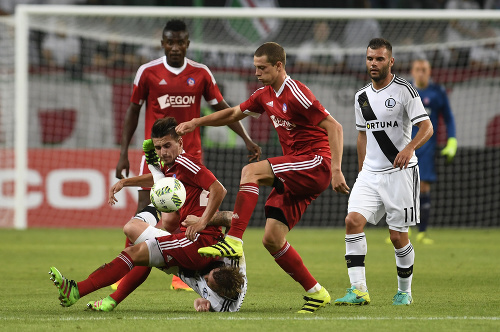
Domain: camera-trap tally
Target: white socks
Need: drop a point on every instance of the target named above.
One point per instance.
(356, 249)
(405, 258)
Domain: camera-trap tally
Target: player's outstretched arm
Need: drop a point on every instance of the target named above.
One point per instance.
(336, 141)
(238, 128)
(220, 118)
(129, 127)
(145, 180)
(217, 194)
(220, 218)
(424, 132)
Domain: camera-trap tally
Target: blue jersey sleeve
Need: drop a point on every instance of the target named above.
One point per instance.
(449, 119)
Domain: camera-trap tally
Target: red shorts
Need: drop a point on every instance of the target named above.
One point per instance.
(304, 178)
(177, 250)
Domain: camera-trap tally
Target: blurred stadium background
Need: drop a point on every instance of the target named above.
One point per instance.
(81, 62)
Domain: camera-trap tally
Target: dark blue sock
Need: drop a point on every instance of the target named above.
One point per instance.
(425, 211)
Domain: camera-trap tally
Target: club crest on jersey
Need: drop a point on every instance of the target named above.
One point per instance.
(190, 81)
(285, 108)
(278, 122)
(205, 293)
(390, 103)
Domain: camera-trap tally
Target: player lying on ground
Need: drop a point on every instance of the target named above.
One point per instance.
(312, 143)
(170, 250)
(388, 179)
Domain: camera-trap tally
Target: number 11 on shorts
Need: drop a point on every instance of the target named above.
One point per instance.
(406, 214)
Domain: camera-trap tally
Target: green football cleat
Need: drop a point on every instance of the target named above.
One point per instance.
(106, 304)
(68, 290)
(315, 301)
(402, 298)
(224, 248)
(150, 153)
(354, 297)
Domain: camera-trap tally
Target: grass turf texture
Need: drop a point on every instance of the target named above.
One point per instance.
(455, 285)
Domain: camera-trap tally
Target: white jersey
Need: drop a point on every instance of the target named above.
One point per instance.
(387, 116)
(218, 303)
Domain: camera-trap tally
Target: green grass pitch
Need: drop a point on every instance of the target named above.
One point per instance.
(455, 285)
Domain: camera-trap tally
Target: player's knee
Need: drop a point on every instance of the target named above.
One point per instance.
(353, 223)
(248, 173)
(272, 243)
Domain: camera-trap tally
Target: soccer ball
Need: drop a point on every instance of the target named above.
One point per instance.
(168, 194)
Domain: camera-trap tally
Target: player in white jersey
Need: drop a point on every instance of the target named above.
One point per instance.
(388, 179)
(212, 300)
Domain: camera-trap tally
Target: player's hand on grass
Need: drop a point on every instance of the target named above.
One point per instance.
(450, 150)
(123, 165)
(338, 182)
(185, 127)
(403, 158)
(193, 229)
(255, 151)
(113, 190)
(202, 305)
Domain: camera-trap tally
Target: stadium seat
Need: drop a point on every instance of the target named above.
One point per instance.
(56, 124)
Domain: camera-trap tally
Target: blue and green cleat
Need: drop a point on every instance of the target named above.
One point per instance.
(402, 298)
(354, 297)
(315, 301)
(68, 290)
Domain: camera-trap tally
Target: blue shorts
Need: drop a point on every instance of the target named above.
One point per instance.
(426, 166)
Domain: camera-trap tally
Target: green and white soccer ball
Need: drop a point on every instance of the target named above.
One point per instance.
(168, 194)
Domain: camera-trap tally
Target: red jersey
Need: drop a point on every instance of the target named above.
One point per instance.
(295, 113)
(175, 92)
(196, 178)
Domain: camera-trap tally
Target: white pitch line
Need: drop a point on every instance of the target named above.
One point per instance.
(230, 318)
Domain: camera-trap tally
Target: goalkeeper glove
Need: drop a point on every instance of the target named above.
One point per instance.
(450, 150)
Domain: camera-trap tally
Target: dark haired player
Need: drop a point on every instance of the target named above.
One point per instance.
(388, 179)
(223, 288)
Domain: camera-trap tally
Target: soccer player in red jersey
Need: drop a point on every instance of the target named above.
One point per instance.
(154, 247)
(312, 143)
(173, 85)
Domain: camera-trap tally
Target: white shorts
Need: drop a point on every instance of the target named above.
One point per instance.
(396, 193)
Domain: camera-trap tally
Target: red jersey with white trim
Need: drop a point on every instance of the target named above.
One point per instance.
(295, 113)
(196, 179)
(175, 92)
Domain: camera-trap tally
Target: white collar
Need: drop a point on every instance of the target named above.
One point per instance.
(174, 70)
(278, 93)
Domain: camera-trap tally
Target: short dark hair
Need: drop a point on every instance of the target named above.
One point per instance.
(163, 127)
(229, 280)
(175, 26)
(377, 43)
(274, 51)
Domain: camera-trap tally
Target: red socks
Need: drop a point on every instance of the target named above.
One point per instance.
(106, 274)
(130, 282)
(289, 260)
(246, 200)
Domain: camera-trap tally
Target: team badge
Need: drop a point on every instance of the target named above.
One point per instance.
(190, 81)
(390, 103)
(285, 108)
(205, 293)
